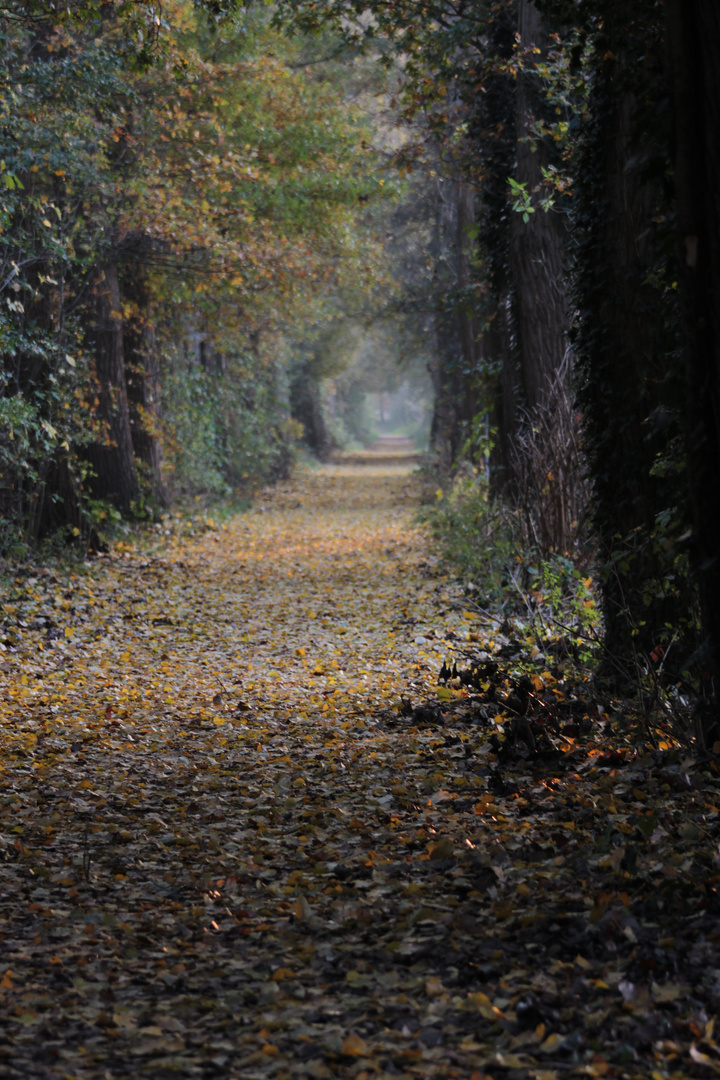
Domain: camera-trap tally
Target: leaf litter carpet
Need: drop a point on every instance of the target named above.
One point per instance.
(230, 847)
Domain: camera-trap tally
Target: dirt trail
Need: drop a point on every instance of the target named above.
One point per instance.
(386, 450)
(224, 851)
(198, 785)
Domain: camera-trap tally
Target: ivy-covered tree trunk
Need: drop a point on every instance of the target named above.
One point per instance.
(693, 32)
(111, 457)
(537, 247)
(622, 341)
(492, 130)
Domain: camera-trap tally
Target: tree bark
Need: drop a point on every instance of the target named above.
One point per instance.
(537, 246)
(623, 341)
(500, 355)
(143, 383)
(693, 33)
(455, 325)
(112, 459)
(464, 200)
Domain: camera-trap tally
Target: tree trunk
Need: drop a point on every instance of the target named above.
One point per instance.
(447, 429)
(537, 246)
(455, 325)
(112, 459)
(500, 355)
(624, 315)
(143, 383)
(464, 199)
(693, 32)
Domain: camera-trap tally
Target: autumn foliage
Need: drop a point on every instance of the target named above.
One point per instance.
(182, 198)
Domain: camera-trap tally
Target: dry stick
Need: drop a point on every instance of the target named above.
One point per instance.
(488, 616)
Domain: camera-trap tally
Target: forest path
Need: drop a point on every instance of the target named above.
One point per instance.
(207, 800)
(227, 850)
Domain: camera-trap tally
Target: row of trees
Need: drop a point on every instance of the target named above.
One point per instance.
(190, 194)
(581, 138)
(184, 213)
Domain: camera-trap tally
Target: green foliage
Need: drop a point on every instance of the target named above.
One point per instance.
(483, 539)
(57, 113)
(205, 160)
(194, 445)
(224, 434)
(479, 535)
(521, 199)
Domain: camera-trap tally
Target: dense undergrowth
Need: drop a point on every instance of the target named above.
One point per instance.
(546, 601)
(485, 539)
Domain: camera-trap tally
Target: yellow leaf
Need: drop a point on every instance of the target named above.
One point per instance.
(482, 1003)
(302, 909)
(218, 720)
(354, 1046)
(552, 1043)
(434, 987)
(511, 1061)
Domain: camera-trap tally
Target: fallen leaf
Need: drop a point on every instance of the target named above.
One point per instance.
(552, 1043)
(442, 849)
(354, 1046)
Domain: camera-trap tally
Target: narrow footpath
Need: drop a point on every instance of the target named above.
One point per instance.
(229, 847)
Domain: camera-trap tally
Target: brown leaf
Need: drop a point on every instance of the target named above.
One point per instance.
(354, 1046)
(442, 849)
